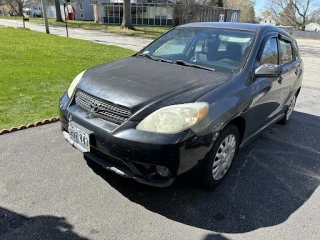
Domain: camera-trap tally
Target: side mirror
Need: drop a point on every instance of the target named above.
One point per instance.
(268, 70)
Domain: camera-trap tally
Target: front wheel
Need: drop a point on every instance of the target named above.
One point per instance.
(222, 156)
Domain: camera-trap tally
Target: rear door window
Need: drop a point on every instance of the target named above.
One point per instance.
(286, 53)
(296, 51)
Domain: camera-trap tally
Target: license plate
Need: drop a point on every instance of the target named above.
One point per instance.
(79, 135)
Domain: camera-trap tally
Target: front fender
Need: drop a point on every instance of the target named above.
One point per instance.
(226, 104)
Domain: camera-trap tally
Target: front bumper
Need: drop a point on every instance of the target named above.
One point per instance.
(134, 154)
(139, 171)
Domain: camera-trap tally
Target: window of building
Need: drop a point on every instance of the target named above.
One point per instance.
(81, 6)
(234, 17)
(141, 11)
(221, 18)
(270, 52)
(158, 12)
(286, 52)
(82, 15)
(93, 2)
(133, 11)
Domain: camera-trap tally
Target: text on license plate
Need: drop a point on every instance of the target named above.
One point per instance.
(79, 136)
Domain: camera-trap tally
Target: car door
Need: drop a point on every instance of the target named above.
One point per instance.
(266, 91)
(290, 68)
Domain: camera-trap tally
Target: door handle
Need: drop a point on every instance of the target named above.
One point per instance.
(280, 80)
(296, 71)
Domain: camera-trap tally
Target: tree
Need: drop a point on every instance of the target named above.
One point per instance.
(17, 5)
(246, 7)
(58, 11)
(314, 16)
(3, 7)
(288, 16)
(186, 11)
(295, 12)
(265, 13)
(249, 15)
(126, 20)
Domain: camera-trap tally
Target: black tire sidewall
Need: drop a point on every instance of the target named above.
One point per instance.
(208, 179)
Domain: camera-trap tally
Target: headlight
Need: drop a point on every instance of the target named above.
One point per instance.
(74, 83)
(175, 118)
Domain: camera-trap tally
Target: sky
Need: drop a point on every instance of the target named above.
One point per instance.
(259, 6)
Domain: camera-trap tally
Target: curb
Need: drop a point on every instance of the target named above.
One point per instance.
(36, 124)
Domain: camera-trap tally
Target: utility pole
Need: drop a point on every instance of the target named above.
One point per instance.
(24, 24)
(65, 17)
(44, 10)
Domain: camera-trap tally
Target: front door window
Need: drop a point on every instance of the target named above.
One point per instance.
(270, 52)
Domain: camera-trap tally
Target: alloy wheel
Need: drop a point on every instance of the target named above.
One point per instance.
(224, 157)
(291, 108)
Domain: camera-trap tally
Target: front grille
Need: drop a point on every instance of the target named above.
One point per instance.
(101, 108)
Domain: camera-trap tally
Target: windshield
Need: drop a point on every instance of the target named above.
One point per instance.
(223, 50)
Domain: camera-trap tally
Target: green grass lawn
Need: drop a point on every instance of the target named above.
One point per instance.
(141, 31)
(36, 68)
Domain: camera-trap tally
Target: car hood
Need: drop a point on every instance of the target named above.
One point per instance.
(136, 82)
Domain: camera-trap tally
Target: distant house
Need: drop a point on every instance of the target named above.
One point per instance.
(83, 9)
(313, 27)
(269, 21)
(78, 9)
(157, 13)
(34, 10)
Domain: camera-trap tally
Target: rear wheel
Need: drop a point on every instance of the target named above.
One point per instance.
(222, 156)
(289, 111)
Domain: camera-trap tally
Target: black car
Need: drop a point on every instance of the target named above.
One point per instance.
(190, 99)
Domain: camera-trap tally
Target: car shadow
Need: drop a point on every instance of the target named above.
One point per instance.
(268, 181)
(215, 236)
(19, 227)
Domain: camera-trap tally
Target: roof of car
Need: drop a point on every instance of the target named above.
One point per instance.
(233, 25)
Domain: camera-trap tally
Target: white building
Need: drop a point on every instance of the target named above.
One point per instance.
(269, 21)
(34, 10)
(313, 27)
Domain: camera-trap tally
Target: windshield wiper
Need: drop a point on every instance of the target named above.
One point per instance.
(154, 58)
(184, 63)
(146, 55)
(164, 60)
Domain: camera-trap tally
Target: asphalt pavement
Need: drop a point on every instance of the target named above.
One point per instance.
(49, 191)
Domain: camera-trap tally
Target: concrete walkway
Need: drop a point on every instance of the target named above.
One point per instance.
(130, 42)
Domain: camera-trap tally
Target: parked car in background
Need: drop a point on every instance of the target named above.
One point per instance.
(191, 99)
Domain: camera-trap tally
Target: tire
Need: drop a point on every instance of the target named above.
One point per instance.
(220, 159)
(287, 116)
